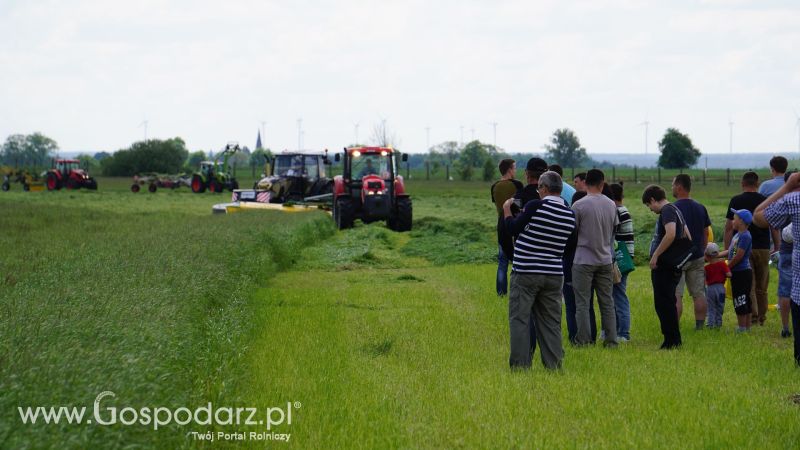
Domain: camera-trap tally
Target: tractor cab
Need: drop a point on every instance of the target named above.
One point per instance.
(207, 167)
(295, 176)
(65, 166)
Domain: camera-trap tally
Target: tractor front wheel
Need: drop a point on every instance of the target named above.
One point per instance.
(152, 188)
(52, 182)
(6, 186)
(26, 187)
(91, 184)
(72, 184)
(135, 188)
(401, 218)
(198, 187)
(343, 213)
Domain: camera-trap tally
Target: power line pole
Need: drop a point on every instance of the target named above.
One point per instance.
(494, 132)
(472, 130)
(355, 125)
(646, 124)
(144, 124)
(462, 135)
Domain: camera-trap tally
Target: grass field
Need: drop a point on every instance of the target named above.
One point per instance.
(383, 339)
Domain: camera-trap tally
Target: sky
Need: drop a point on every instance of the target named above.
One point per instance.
(89, 73)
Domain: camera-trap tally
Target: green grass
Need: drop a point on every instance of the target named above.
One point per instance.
(386, 339)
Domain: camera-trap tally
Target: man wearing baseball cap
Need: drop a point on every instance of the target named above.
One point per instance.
(534, 168)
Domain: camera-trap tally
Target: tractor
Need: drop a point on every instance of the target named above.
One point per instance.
(295, 177)
(68, 173)
(216, 177)
(370, 189)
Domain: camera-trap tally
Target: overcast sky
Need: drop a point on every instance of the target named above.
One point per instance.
(88, 72)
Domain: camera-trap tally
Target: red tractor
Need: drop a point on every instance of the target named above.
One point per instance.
(68, 173)
(370, 189)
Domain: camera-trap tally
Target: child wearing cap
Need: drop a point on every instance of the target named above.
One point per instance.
(716, 272)
(741, 273)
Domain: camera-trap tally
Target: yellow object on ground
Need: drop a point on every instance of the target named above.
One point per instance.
(240, 206)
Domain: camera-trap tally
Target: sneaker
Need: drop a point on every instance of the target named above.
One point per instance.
(622, 340)
(786, 333)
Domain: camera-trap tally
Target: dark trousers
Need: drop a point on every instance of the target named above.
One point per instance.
(572, 323)
(664, 284)
(795, 308)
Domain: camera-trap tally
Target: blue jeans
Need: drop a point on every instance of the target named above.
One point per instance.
(502, 272)
(622, 307)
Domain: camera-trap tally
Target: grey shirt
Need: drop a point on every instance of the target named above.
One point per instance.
(596, 218)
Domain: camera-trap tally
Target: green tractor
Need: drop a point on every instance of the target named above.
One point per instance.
(214, 177)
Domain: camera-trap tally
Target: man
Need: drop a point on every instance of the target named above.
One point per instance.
(596, 220)
(779, 210)
(368, 169)
(580, 181)
(777, 167)
(541, 231)
(749, 199)
(568, 191)
(534, 168)
(699, 224)
(664, 279)
(502, 190)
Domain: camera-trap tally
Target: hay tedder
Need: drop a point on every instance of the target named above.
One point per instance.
(153, 181)
(29, 181)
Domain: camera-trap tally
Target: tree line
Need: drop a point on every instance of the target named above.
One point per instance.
(478, 160)
(36, 151)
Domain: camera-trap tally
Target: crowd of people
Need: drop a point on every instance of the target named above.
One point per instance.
(573, 245)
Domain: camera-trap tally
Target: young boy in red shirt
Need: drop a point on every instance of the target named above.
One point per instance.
(716, 273)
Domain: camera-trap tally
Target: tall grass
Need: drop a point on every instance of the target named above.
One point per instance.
(143, 295)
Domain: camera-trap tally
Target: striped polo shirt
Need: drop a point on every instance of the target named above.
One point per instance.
(541, 231)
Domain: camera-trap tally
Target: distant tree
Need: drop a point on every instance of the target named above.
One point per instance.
(565, 149)
(488, 170)
(677, 150)
(449, 151)
(13, 150)
(152, 155)
(382, 136)
(101, 155)
(465, 172)
(194, 160)
(88, 162)
(39, 148)
(474, 154)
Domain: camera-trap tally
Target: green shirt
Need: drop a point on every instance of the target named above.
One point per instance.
(503, 190)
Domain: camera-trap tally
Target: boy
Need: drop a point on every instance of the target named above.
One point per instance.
(741, 272)
(716, 273)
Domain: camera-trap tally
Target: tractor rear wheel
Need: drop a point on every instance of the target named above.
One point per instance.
(152, 187)
(401, 218)
(26, 187)
(214, 186)
(6, 186)
(343, 213)
(135, 187)
(198, 186)
(52, 182)
(234, 185)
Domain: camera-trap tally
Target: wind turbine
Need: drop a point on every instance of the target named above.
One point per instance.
(427, 137)
(144, 124)
(730, 138)
(646, 124)
(494, 128)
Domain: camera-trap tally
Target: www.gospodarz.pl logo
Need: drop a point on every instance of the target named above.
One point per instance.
(159, 417)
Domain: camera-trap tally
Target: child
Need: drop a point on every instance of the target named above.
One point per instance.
(716, 273)
(739, 262)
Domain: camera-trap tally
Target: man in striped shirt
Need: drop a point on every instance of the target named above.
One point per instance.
(541, 233)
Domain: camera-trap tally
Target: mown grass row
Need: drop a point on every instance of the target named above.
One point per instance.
(145, 296)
